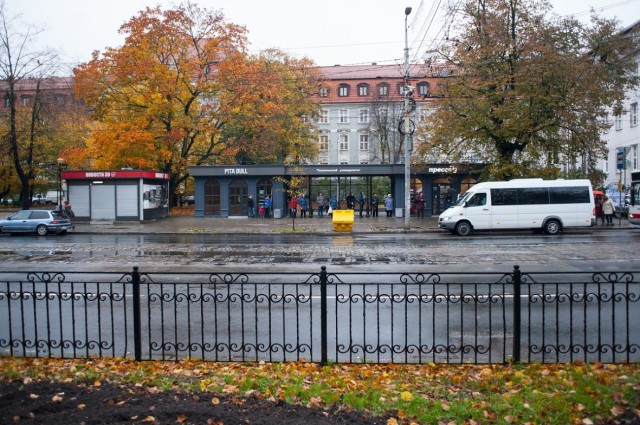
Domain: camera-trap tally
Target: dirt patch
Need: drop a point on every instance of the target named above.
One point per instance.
(66, 403)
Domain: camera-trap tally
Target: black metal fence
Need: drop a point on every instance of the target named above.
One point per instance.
(323, 317)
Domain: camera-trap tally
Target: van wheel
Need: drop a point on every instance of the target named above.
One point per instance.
(463, 228)
(552, 227)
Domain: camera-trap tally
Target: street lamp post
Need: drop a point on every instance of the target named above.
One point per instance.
(60, 163)
(407, 122)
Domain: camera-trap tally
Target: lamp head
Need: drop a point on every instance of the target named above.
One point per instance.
(407, 11)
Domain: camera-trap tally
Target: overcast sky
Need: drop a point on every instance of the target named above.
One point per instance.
(330, 32)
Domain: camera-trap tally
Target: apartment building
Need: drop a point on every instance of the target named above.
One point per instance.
(624, 133)
(361, 108)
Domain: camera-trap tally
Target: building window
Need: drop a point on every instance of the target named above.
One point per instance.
(25, 100)
(618, 121)
(634, 157)
(7, 102)
(60, 100)
(383, 89)
(364, 142)
(344, 142)
(343, 116)
(423, 88)
(324, 92)
(363, 89)
(343, 90)
(324, 142)
(363, 115)
(634, 114)
(323, 118)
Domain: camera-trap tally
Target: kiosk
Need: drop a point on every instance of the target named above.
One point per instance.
(121, 195)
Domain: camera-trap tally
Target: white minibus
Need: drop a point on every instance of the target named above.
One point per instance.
(536, 204)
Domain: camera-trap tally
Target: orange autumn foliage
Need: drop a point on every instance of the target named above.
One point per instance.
(182, 91)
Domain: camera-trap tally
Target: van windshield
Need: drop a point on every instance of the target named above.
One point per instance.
(463, 199)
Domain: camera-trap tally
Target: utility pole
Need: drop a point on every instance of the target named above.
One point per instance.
(407, 123)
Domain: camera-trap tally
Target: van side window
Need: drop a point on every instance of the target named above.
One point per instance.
(569, 195)
(477, 200)
(504, 197)
(533, 196)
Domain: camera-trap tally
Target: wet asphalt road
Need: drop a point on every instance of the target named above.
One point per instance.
(581, 250)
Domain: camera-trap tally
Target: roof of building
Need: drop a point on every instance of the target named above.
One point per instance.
(359, 72)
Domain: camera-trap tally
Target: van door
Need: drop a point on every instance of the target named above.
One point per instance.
(478, 211)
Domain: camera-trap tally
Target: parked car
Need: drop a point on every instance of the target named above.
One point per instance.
(41, 222)
(50, 198)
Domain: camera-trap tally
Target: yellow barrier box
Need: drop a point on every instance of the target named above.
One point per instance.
(343, 220)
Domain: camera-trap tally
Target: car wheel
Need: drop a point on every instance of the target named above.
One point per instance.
(42, 230)
(463, 228)
(552, 227)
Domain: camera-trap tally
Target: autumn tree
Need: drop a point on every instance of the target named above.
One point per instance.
(528, 90)
(182, 91)
(24, 130)
(389, 144)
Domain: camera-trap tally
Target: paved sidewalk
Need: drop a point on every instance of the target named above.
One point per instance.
(190, 224)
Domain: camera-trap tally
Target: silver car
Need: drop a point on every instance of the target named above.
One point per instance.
(41, 222)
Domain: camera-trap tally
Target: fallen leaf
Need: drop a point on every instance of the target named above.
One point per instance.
(56, 398)
(406, 396)
(445, 406)
(97, 383)
(33, 396)
(149, 419)
(81, 406)
(215, 401)
(392, 421)
(617, 410)
(181, 419)
(587, 421)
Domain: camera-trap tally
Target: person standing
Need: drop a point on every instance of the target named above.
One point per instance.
(388, 205)
(351, 201)
(361, 200)
(419, 205)
(267, 206)
(333, 203)
(374, 205)
(302, 203)
(320, 202)
(599, 213)
(251, 207)
(293, 206)
(608, 209)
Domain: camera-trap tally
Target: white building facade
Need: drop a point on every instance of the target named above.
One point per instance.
(624, 133)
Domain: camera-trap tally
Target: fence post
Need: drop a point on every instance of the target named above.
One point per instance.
(517, 311)
(137, 321)
(323, 315)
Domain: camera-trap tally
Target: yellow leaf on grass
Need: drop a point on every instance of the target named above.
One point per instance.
(406, 396)
(392, 421)
(97, 383)
(445, 406)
